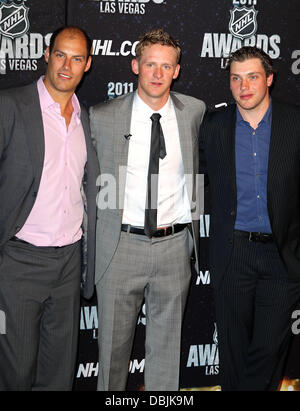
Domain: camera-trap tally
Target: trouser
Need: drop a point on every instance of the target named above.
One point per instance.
(39, 302)
(254, 305)
(157, 270)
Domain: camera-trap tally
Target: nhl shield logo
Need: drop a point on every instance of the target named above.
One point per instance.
(13, 20)
(243, 22)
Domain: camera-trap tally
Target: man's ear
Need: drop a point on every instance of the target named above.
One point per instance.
(47, 53)
(270, 80)
(88, 64)
(176, 73)
(135, 66)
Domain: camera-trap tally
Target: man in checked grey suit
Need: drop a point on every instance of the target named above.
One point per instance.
(131, 264)
(48, 171)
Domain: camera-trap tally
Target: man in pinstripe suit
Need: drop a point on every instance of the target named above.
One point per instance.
(48, 172)
(251, 151)
(131, 264)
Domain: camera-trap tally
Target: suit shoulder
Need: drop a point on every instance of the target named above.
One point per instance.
(287, 108)
(15, 92)
(109, 106)
(189, 101)
(223, 114)
(10, 99)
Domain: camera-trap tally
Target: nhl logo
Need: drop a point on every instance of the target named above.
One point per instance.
(243, 22)
(13, 20)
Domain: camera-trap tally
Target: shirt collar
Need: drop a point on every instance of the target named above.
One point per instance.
(267, 118)
(47, 101)
(147, 111)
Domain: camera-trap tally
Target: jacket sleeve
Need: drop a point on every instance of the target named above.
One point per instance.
(6, 121)
(202, 141)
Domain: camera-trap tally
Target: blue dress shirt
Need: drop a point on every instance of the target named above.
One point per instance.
(252, 155)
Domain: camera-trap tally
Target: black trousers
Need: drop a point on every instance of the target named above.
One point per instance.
(253, 306)
(40, 301)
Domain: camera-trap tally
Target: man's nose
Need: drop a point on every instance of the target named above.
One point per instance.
(245, 84)
(158, 72)
(67, 63)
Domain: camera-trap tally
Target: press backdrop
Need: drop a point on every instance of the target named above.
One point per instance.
(208, 31)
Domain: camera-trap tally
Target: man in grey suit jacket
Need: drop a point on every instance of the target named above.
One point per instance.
(48, 165)
(131, 264)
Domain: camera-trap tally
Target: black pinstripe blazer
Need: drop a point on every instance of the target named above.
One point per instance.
(217, 159)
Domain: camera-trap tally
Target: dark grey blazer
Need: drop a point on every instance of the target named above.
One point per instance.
(217, 158)
(21, 164)
(110, 121)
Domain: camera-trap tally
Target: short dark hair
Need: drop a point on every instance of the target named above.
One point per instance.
(157, 36)
(248, 52)
(72, 29)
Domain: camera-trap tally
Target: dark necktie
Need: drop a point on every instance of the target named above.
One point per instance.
(157, 150)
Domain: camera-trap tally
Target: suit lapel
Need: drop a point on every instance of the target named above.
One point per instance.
(34, 129)
(278, 130)
(227, 144)
(185, 136)
(277, 151)
(122, 120)
(86, 129)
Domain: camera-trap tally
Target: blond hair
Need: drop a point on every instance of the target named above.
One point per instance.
(157, 36)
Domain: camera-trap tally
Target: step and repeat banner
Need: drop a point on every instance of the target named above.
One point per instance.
(208, 32)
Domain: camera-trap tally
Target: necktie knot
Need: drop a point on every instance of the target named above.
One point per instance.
(155, 117)
(158, 134)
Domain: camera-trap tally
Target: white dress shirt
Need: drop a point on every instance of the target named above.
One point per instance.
(173, 202)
